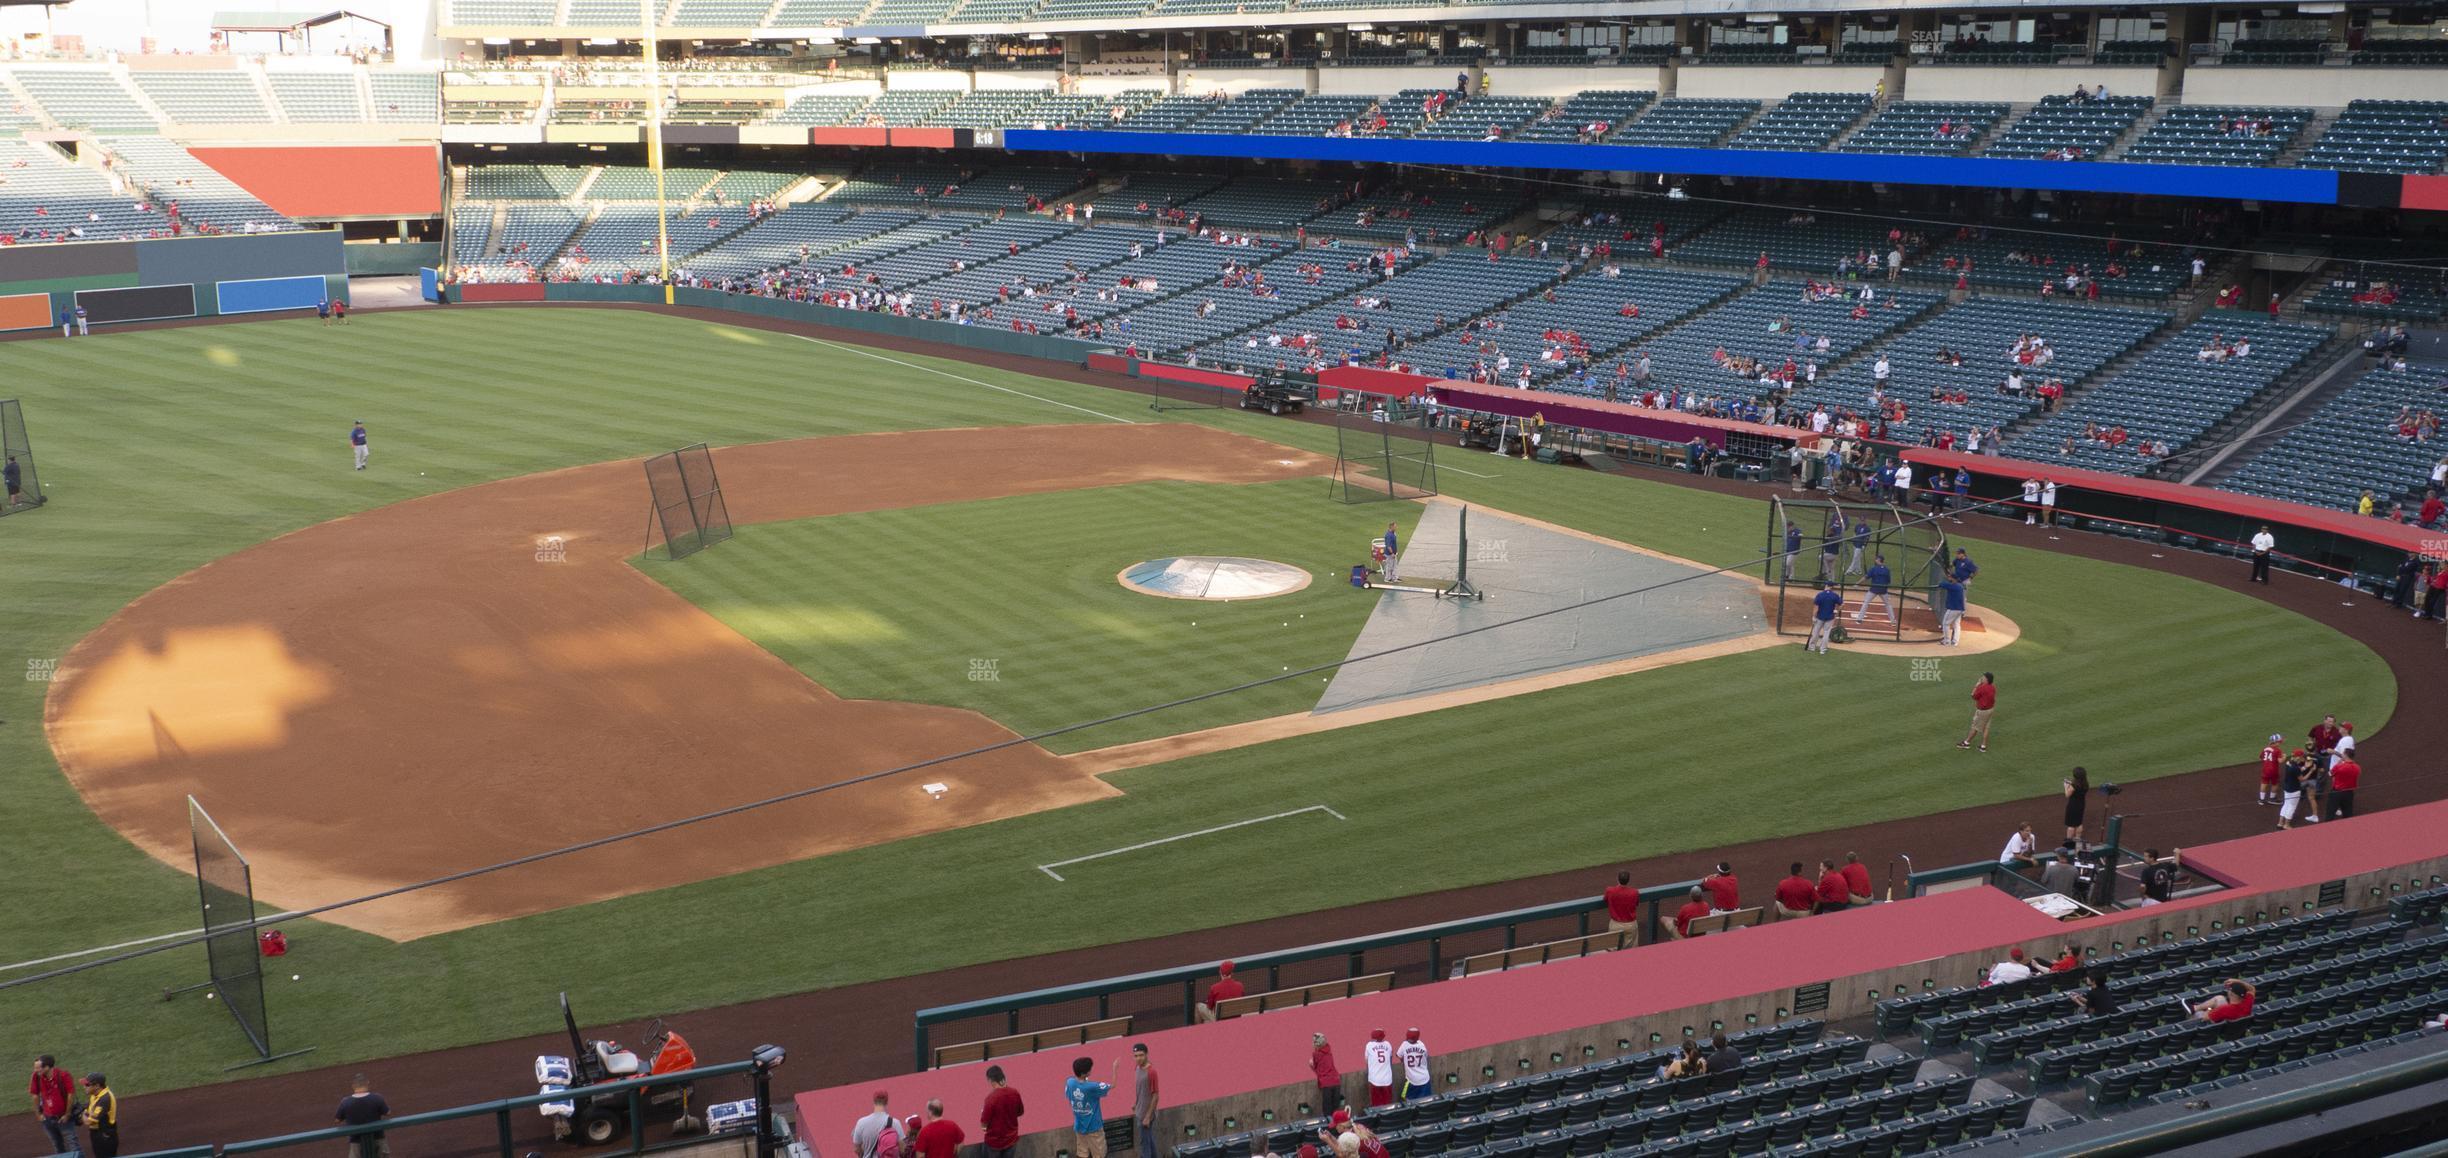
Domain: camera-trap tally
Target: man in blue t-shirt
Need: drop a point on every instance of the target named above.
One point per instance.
(1951, 610)
(1964, 568)
(1391, 547)
(1087, 1101)
(1879, 578)
(1823, 617)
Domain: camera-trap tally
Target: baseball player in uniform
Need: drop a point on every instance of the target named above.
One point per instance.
(1823, 617)
(357, 443)
(1378, 1054)
(2272, 754)
(1861, 543)
(1391, 548)
(1414, 1059)
(1878, 579)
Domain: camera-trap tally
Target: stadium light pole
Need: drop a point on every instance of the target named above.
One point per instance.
(654, 148)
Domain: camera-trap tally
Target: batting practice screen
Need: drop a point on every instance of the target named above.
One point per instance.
(1815, 542)
(688, 502)
(226, 886)
(20, 450)
(1373, 463)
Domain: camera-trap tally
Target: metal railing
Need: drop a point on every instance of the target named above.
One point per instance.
(634, 1088)
(1354, 950)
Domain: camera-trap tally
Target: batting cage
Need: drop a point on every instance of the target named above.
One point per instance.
(1811, 542)
(1376, 460)
(225, 886)
(688, 502)
(24, 489)
(1174, 394)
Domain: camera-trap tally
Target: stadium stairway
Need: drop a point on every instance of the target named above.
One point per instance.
(2140, 129)
(16, 96)
(2313, 131)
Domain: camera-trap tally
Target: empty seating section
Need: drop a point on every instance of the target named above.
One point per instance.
(2406, 53)
(2219, 135)
(820, 109)
(602, 13)
(45, 197)
(1157, 191)
(2020, 261)
(991, 11)
(2173, 394)
(2074, 130)
(1318, 116)
(1803, 121)
(405, 97)
(532, 233)
(502, 12)
(981, 242)
(2351, 445)
(851, 261)
(524, 182)
(907, 12)
(204, 98)
(816, 13)
(1571, 120)
(910, 185)
(1941, 128)
(84, 98)
(907, 108)
(1011, 188)
(637, 183)
(1626, 227)
(471, 227)
(1242, 113)
(1809, 246)
(1088, 9)
(718, 13)
(1421, 300)
(621, 239)
(2130, 52)
(203, 195)
(1257, 204)
(1167, 114)
(2384, 137)
(593, 110)
(1055, 261)
(1686, 122)
(750, 185)
(986, 109)
(2258, 51)
(791, 236)
(1065, 111)
(1984, 331)
(1436, 217)
(1590, 307)
(318, 97)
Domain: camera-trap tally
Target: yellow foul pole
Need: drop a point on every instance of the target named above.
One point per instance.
(654, 146)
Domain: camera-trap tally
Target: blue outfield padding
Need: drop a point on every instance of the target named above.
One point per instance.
(2310, 186)
(265, 294)
(429, 283)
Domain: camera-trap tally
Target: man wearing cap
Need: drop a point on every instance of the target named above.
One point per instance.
(2010, 969)
(101, 1117)
(1823, 618)
(1414, 1058)
(1225, 989)
(2271, 754)
(1378, 1056)
(357, 443)
(2291, 776)
(2262, 544)
(1329, 1079)
(867, 1132)
(1145, 1098)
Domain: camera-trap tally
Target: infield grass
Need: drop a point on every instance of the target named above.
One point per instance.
(167, 449)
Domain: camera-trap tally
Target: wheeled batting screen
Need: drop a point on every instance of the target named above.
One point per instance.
(688, 501)
(1373, 463)
(20, 450)
(225, 886)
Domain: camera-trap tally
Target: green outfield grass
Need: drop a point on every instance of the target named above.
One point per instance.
(166, 449)
(920, 603)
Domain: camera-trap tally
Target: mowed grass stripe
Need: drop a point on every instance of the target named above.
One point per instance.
(2132, 673)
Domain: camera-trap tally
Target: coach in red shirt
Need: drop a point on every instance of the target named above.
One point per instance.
(1725, 893)
(1692, 910)
(2343, 776)
(1834, 891)
(941, 1137)
(1622, 904)
(1857, 879)
(1796, 896)
(1225, 989)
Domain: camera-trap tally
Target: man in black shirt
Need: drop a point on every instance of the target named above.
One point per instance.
(2159, 878)
(364, 1107)
(1723, 1059)
(2096, 999)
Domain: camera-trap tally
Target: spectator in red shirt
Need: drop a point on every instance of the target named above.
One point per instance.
(2343, 777)
(941, 1137)
(1000, 1119)
(1225, 989)
(1692, 909)
(1329, 1079)
(54, 1095)
(1835, 893)
(1857, 878)
(2325, 736)
(1725, 893)
(2235, 1004)
(1796, 896)
(2067, 961)
(1622, 904)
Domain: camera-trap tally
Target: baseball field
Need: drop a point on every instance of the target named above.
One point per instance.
(460, 656)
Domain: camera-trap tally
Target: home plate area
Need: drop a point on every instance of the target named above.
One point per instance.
(1531, 574)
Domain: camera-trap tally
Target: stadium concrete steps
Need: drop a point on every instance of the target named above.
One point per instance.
(2141, 128)
(1836, 144)
(119, 73)
(363, 80)
(2322, 375)
(2313, 131)
(254, 72)
(772, 11)
(2015, 112)
(20, 98)
(586, 183)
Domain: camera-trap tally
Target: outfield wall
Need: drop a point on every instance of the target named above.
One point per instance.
(170, 278)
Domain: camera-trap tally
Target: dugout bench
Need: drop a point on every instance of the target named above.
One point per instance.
(1009, 1044)
(1319, 993)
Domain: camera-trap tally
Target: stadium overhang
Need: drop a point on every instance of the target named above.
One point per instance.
(284, 25)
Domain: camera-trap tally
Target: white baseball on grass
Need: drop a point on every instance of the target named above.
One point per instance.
(293, 977)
